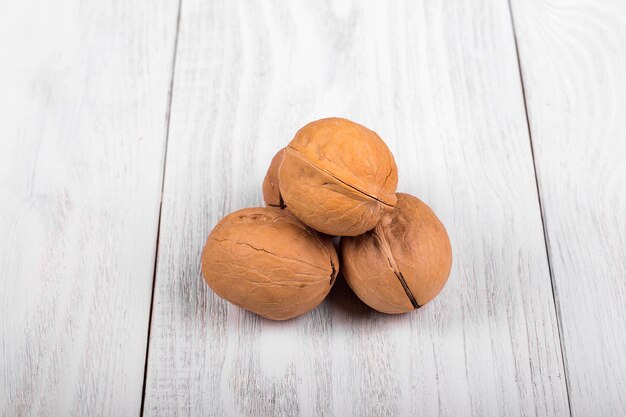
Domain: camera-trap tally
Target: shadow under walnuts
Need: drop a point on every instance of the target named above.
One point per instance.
(341, 298)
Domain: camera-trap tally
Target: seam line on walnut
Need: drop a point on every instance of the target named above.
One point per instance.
(331, 175)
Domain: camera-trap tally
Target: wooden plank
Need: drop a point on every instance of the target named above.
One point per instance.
(83, 103)
(440, 82)
(573, 57)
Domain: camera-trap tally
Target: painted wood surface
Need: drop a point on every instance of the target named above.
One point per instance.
(573, 56)
(440, 82)
(83, 103)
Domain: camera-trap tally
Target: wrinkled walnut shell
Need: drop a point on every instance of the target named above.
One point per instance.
(267, 261)
(338, 177)
(271, 190)
(402, 263)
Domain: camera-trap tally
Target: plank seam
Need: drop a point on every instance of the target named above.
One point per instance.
(541, 212)
(156, 254)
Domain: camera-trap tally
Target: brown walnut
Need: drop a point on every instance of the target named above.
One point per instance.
(338, 177)
(267, 261)
(271, 191)
(403, 262)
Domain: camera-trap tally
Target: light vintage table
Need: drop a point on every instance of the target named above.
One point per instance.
(129, 127)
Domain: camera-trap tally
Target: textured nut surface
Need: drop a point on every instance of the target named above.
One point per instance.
(402, 263)
(338, 177)
(271, 190)
(267, 261)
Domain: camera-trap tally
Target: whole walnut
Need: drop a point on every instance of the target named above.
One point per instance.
(338, 177)
(403, 262)
(271, 191)
(267, 261)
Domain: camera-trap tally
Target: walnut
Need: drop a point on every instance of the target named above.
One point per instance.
(338, 177)
(267, 261)
(403, 262)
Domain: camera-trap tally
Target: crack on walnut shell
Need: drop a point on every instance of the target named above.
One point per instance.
(394, 268)
(333, 273)
(408, 292)
(281, 203)
(236, 242)
(331, 175)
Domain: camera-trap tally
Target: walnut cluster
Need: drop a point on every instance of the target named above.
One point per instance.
(335, 178)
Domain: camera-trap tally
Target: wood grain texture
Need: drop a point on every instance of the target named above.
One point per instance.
(83, 103)
(573, 57)
(439, 81)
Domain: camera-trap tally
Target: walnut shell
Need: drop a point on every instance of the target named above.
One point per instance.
(267, 261)
(403, 262)
(338, 177)
(271, 191)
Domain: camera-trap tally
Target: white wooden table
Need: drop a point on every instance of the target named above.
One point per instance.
(128, 128)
